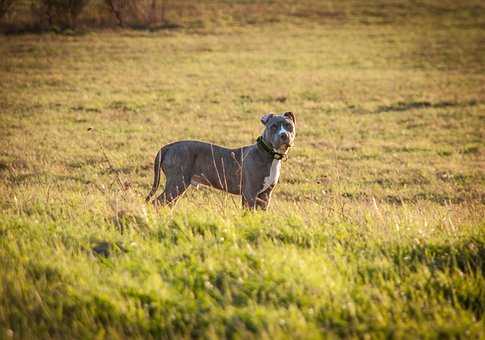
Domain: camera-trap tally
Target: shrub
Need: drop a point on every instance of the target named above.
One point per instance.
(142, 13)
(63, 13)
(5, 6)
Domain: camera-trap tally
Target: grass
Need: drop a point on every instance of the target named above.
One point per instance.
(375, 230)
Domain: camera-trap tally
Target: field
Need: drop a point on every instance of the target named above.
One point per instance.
(377, 228)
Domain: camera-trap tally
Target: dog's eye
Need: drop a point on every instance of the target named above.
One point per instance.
(288, 127)
(273, 127)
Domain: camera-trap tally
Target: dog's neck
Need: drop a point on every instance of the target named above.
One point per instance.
(268, 149)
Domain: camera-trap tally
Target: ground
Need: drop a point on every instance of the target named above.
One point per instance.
(376, 228)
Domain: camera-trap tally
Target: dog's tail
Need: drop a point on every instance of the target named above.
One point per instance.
(156, 169)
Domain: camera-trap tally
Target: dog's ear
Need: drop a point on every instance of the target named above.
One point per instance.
(291, 116)
(265, 119)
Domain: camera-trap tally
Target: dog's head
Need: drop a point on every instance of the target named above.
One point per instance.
(279, 130)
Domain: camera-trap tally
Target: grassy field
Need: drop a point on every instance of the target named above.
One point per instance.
(377, 228)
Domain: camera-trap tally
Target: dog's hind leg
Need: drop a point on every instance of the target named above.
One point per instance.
(174, 188)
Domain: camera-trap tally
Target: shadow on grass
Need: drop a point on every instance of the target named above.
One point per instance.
(404, 106)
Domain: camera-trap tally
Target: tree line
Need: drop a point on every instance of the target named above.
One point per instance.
(69, 14)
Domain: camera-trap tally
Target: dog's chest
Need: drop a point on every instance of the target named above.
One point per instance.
(274, 174)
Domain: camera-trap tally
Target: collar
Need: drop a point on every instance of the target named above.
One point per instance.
(269, 149)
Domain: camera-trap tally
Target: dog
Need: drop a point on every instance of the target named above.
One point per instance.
(251, 171)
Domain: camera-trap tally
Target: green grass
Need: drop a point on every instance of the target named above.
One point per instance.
(375, 230)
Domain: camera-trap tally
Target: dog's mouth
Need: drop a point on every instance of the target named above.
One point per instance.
(283, 148)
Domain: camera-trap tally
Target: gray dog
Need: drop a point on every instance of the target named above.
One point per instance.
(250, 171)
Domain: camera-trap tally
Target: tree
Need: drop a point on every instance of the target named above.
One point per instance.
(118, 9)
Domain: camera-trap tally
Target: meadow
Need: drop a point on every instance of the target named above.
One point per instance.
(376, 229)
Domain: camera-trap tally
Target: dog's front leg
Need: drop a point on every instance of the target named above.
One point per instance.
(263, 198)
(249, 198)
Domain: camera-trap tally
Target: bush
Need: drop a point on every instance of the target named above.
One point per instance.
(5, 6)
(62, 13)
(142, 13)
